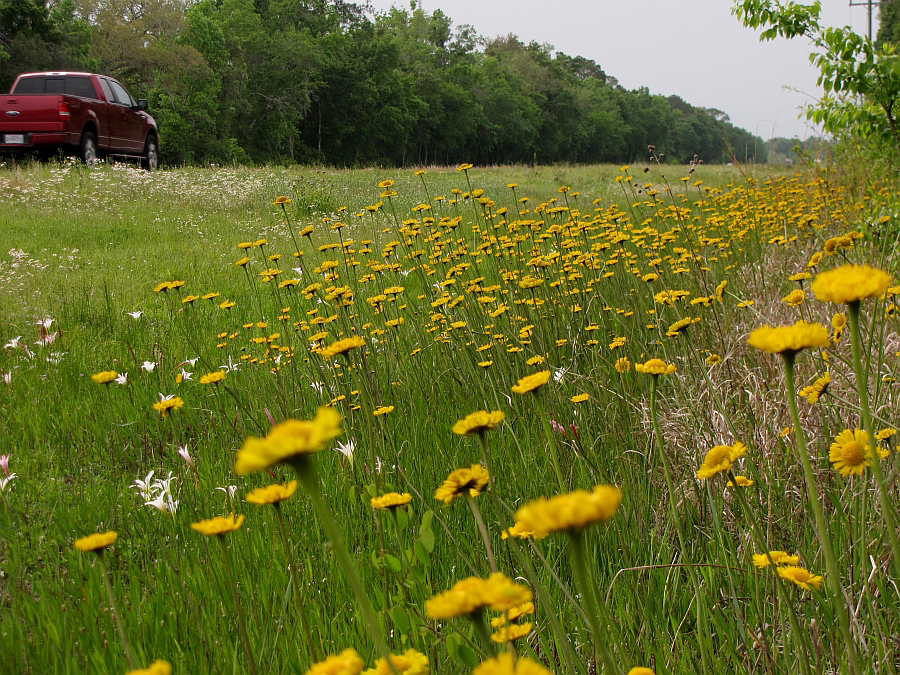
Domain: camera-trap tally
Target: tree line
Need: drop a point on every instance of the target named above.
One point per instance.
(326, 81)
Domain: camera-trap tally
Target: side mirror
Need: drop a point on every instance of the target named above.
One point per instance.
(141, 104)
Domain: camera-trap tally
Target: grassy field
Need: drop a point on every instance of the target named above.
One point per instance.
(458, 286)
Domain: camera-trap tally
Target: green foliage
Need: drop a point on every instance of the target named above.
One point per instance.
(861, 79)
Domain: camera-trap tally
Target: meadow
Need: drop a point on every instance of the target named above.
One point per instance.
(530, 433)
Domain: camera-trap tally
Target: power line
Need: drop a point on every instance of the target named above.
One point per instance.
(870, 4)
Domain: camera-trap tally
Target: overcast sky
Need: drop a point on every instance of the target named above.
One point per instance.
(693, 48)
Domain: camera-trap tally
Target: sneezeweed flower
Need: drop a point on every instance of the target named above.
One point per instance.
(794, 298)
(655, 367)
(885, 435)
(469, 481)
(281, 200)
(572, 511)
(839, 323)
(473, 594)
(342, 346)
(288, 440)
(520, 532)
(850, 283)
(167, 405)
(720, 458)
(213, 378)
(742, 481)
(580, 398)
(813, 392)
(218, 526)
(622, 365)
(391, 500)
(272, 494)
(345, 663)
(478, 422)
(96, 542)
(851, 453)
(410, 662)
(788, 340)
(382, 410)
(800, 576)
(640, 670)
(531, 382)
(778, 557)
(713, 360)
(158, 667)
(505, 664)
(512, 632)
(105, 377)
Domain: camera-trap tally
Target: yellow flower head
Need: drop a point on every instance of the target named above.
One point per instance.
(219, 525)
(478, 422)
(409, 662)
(105, 377)
(655, 367)
(272, 494)
(470, 595)
(472, 481)
(531, 382)
(213, 378)
(641, 671)
(572, 511)
(813, 392)
(342, 346)
(345, 663)
(794, 298)
(168, 405)
(520, 532)
(281, 199)
(800, 576)
(778, 557)
(580, 398)
(713, 360)
(382, 410)
(504, 664)
(158, 667)
(851, 453)
(742, 481)
(511, 632)
(720, 458)
(391, 500)
(95, 542)
(288, 439)
(789, 339)
(622, 365)
(850, 283)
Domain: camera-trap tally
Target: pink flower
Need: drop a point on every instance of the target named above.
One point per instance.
(557, 427)
(4, 463)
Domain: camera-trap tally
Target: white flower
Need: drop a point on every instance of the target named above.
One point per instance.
(229, 490)
(164, 503)
(346, 449)
(185, 375)
(12, 344)
(136, 314)
(44, 323)
(191, 361)
(558, 374)
(231, 366)
(164, 485)
(56, 357)
(6, 480)
(298, 270)
(47, 340)
(122, 378)
(148, 366)
(186, 456)
(318, 386)
(165, 397)
(145, 487)
(7, 377)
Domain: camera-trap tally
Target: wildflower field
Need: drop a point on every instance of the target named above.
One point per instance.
(513, 420)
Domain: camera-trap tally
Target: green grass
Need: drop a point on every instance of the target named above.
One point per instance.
(88, 247)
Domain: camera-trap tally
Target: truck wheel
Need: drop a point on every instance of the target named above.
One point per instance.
(151, 154)
(87, 150)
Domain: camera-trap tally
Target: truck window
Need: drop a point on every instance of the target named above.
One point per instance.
(107, 91)
(30, 85)
(121, 95)
(54, 85)
(77, 85)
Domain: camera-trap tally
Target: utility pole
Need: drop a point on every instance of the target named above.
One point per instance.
(870, 5)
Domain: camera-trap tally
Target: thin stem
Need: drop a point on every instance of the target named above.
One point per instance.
(289, 555)
(832, 574)
(306, 472)
(120, 627)
(242, 622)
(591, 601)
(887, 509)
(479, 522)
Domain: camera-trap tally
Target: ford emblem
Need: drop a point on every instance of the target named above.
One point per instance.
(12, 113)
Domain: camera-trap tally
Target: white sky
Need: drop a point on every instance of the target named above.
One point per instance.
(695, 49)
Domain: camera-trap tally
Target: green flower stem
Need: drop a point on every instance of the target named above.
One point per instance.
(120, 627)
(481, 627)
(887, 509)
(759, 541)
(242, 622)
(832, 575)
(591, 602)
(479, 522)
(289, 554)
(551, 440)
(486, 457)
(699, 596)
(306, 472)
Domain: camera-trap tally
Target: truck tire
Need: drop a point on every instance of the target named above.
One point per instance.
(150, 162)
(87, 149)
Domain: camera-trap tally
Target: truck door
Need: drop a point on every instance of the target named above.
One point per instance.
(131, 122)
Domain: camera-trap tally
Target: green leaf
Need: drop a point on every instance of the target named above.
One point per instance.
(422, 554)
(467, 656)
(393, 563)
(401, 619)
(427, 540)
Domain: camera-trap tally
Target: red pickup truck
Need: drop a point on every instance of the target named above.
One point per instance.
(90, 114)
